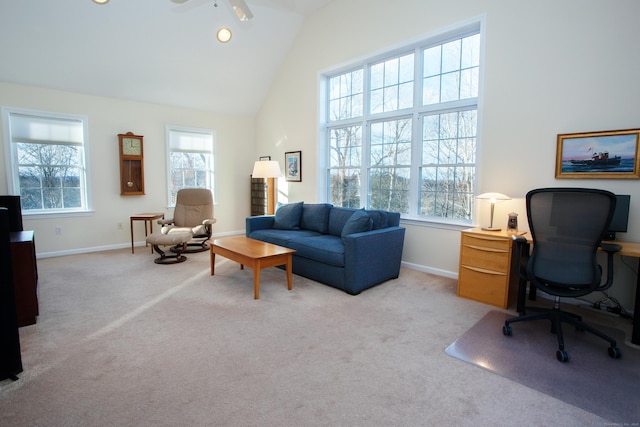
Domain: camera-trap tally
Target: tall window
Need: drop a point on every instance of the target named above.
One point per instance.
(46, 160)
(402, 129)
(191, 160)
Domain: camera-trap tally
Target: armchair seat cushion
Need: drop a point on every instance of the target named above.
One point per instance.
(198, 230)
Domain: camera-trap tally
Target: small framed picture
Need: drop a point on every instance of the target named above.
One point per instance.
(293, 166)
(261, 158)
(610, 154)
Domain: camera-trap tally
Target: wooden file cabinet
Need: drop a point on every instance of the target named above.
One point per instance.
(486, 273)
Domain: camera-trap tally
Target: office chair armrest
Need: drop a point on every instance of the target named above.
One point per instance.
(519, 239)
(610, 247)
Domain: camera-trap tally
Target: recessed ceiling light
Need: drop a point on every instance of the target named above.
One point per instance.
(224, 35)
(101, 1)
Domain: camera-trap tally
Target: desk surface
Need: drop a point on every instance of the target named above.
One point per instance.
(628, 248)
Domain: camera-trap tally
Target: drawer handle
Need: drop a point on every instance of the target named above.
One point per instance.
(482, 270)
(482, 248)
(495, 239)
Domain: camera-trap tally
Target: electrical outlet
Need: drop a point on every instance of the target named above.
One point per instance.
(58, 230)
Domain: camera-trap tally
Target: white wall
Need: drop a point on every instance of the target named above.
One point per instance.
(550, 67)
(109, 117)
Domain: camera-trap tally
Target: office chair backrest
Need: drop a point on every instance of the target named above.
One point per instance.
(566, 226)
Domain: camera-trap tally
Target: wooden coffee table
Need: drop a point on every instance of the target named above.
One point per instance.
(252, 253)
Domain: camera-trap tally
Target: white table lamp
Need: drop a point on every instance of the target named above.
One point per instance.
(493, 197)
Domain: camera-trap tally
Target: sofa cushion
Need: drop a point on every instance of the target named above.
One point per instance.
(324, 248)
(288, 216)
(281, 237)
(315, 217)
(338, 217)
(359, 222)
(380, 219)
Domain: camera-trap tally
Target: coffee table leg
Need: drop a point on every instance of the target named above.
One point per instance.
(212, 259)
(289, 268)
(256, 280)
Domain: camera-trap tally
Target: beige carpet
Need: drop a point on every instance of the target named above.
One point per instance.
(121, 341)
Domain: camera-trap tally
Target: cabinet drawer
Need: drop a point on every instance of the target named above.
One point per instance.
(485, 258)
(483, 285)
(488, 242)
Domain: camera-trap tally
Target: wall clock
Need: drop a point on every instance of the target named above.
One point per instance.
(131, 164)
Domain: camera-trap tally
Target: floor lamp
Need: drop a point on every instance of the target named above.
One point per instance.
(493, 197)
(269, 169)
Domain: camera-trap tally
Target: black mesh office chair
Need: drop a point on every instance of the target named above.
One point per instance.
(567, 225)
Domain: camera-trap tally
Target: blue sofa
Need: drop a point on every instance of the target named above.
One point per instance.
(349, 249)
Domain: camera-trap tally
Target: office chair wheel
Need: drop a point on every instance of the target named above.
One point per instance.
(562, 356)
(615, 352)
(506, 330)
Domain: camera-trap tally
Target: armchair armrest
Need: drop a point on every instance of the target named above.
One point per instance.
(165, 221)
(210, 221)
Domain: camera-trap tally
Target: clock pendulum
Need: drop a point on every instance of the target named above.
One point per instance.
(130, 183)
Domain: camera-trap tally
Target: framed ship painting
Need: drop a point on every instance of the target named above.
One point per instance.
(610, 154)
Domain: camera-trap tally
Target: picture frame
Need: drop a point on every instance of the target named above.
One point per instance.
(605, 155)
(293, 166)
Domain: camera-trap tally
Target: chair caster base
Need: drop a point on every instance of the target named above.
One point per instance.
(168, 259)
(562, 356)
(615, 352)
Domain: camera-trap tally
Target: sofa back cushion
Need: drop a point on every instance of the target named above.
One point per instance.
(338, 217)
(288, 216)
(379, 219)
(359, 222)
(315, 217)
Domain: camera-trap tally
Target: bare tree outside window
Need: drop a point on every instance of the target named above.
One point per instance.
(191, 160)
(47, 160)
(428, 129)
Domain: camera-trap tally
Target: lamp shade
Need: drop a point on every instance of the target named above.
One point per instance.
(494, 196)
(266, 169)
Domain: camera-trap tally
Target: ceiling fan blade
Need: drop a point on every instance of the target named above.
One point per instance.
(241, 9)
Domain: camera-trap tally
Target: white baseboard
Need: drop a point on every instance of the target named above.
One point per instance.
(431, 270)
(111, 247)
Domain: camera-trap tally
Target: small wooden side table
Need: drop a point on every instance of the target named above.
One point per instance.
(148, 219)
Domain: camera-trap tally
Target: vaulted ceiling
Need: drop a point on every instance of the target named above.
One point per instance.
(151, 50)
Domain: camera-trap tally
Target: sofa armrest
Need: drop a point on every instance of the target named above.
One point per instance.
(372, 257)
(254, 223)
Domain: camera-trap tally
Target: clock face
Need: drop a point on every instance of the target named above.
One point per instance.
(131, 146)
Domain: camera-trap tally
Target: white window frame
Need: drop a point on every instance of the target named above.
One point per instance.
(475, 26)
(11, 161)
(200, 132)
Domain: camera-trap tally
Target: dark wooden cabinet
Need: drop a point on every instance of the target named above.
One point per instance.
(25, 276)
(258, 196)
(10, 357)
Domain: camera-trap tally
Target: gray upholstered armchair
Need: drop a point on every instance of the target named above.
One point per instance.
(193, 213)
